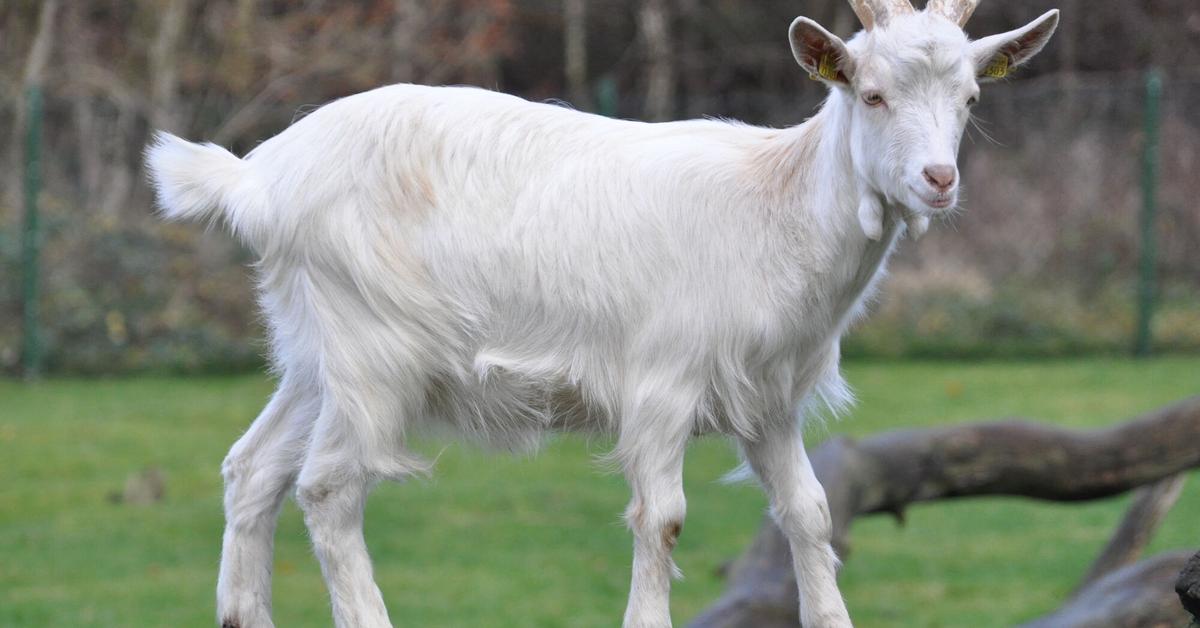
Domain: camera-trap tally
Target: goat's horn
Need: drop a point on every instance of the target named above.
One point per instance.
(874, 13)
(957, 11)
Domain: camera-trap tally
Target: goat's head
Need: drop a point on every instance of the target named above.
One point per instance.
(909, 81)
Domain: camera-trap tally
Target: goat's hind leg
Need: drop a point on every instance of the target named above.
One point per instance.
(799, 506)
(351, 450)
(259, 471)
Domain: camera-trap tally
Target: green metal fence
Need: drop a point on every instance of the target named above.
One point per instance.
(1146, 279)
(31, 342)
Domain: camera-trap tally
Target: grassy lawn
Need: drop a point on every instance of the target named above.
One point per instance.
(500, 541)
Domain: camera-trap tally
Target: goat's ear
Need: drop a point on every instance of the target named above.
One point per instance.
(996, 56)
(820, 52)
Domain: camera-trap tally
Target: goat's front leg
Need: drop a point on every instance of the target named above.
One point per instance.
(652, 458)
(799, 507)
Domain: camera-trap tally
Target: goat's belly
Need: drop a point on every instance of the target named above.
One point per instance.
(513, 406)
(508, 409)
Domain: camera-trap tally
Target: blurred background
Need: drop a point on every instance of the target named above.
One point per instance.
(1044, 262)
(1079, 164)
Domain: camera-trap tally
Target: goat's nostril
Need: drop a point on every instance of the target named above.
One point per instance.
(940, 177)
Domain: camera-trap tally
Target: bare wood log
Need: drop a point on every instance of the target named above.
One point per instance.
(1116, 591)
(1136, 595)
(1150, 506)
(888, 472)
(1188, 586)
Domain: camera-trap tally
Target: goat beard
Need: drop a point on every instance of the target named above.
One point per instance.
(870, 218)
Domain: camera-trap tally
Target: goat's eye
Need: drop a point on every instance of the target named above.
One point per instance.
(972, 101)
(873, 99)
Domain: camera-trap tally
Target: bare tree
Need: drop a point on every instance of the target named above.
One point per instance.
(240, 62)
(33, 76)
(654, 24)
(575, 53)
(409, 19)
(164, 65)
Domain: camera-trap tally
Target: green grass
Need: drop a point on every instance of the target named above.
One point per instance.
(500, 541)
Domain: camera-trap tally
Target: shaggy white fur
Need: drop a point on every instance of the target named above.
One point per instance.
(456, 257)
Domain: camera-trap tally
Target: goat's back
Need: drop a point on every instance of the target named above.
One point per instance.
(510, 265)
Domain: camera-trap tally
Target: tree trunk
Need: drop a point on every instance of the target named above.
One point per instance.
(575, 52)
(240, 54)
(410, 18)
(654, 22)
(33, 76)
(164, 66)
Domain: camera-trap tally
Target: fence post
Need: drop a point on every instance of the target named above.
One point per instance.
(31, 239)
(606, 97)
(1146, 278)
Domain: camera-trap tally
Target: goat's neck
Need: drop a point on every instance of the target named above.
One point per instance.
(820, 197)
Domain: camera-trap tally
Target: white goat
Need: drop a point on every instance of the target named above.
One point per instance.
(453, 256)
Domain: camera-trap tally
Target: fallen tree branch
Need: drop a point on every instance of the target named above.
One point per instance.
(1140, 594)
(1150, 506)
(888, 472)
(1188, 586)
(1116, 591)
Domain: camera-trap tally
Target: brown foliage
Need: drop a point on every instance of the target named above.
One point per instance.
(1053, 206)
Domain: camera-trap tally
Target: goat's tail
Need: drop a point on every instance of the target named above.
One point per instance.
(201, 182)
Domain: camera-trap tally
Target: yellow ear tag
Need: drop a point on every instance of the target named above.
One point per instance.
(827, 68)
(998, 68)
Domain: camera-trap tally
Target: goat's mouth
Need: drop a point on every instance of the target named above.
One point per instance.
(934, 203)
